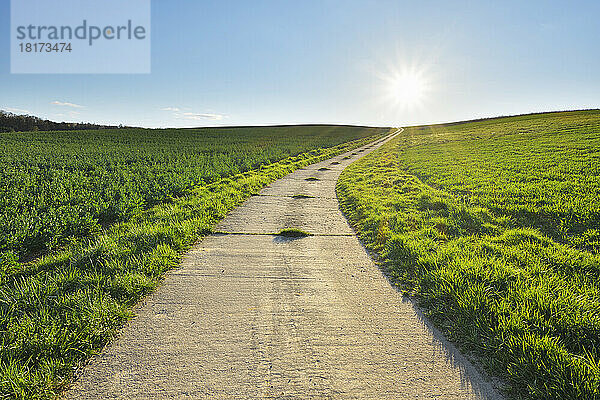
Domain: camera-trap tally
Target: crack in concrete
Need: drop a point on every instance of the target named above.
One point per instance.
(279, 235)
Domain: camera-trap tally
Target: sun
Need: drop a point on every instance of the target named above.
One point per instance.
(407, 88)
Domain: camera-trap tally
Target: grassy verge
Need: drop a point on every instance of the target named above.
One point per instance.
(59, 310)
(477, 224)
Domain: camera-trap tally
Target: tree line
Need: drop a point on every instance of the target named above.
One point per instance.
(10, 122)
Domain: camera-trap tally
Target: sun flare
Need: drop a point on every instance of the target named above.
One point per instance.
(407, 88)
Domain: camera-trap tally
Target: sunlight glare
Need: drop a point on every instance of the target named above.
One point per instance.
(407, 88)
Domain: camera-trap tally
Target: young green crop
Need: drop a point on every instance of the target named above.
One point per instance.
(494, 227)
(57, 187)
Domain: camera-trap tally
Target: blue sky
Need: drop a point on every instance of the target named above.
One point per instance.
(325, 61)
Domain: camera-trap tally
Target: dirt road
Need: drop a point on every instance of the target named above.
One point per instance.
(251, 315)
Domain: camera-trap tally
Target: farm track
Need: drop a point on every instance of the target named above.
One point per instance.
(254, 315)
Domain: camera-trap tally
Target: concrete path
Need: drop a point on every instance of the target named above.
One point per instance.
(250, 315)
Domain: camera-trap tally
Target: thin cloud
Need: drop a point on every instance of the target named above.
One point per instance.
(65, 104)
(179, 113)
(70, 114)
(197, 116)
(17, 110)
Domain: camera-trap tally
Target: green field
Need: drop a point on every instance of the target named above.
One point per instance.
(494, 226)
(90, 220)
(60, 186)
